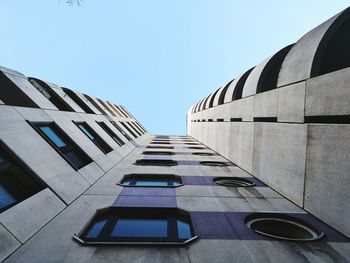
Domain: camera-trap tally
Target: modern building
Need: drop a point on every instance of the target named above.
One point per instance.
(262, 176)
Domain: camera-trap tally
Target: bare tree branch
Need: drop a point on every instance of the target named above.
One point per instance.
(73, 2)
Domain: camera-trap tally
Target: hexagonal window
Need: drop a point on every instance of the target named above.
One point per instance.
(133, 225)
(155, 162)
(283, 227)
(151, 180)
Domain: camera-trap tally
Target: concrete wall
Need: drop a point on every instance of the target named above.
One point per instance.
(63, 184)
(294, 137)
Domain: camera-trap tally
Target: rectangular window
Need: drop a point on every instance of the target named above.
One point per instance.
(110, 133)
(93, 102)
(94, 137)
(128, 129)
(78, 100)
(16, 181)
(106, 107)
(121, 131)
(149, 180)
(137, 129)
(140, 227)
(50, 94)
(122, 111)
(126, 112)
(62, 144)
(140, 126)
(133, 128)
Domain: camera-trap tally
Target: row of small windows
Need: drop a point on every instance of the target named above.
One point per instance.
(16, 180)
(11, 94)
(118, 225)
(62, 143)
(131, 225)
(220, 120)
(94, 137)
(109, 131)
(65, 146)
(171, 180)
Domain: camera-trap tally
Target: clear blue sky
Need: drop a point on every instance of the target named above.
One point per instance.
(156, 57)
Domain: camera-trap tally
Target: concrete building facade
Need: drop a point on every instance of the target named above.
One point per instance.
(286, 121)
(261, 177)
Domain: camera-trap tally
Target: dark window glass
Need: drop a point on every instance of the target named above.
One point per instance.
(160, 142)
(156, 162)
(125, 112)
(85, 130)
(93, 136)
(133, 129)
(184, 229)
(121, 111)
(121, 130)
(142, 128)
(63, 144)
(96, 229)
(158, 153)
(93, 102)
(78, 100)
(159, 147)
(16, 182)
(151, 180)
(110, 133)
(128, 129)
(106, 107)
(139, 127)
(132, 125)
(117, 224)
(140, 227)
(50, 94)
(53, 136)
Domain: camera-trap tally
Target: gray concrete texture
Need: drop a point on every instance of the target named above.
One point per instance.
(304, 166)
(304, 161)
(22, 222)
